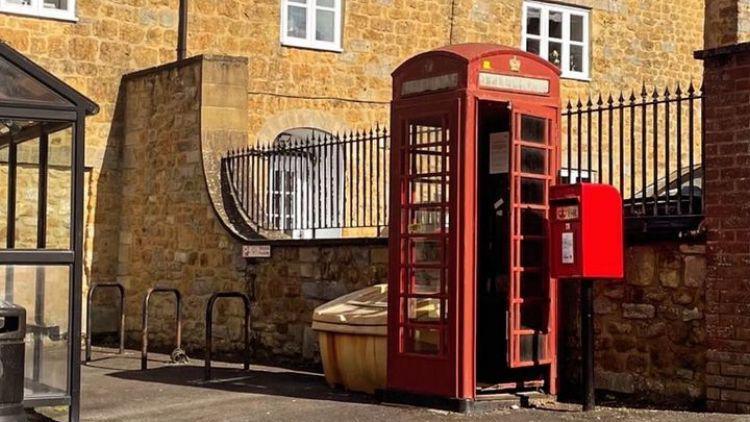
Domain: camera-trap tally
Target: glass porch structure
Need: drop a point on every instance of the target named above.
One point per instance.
(42, 123)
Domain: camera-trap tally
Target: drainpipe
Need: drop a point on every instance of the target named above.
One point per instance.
(182, 31)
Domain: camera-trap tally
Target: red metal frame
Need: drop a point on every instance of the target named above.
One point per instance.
(443, 86)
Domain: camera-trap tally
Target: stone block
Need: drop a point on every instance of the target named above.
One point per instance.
(638, 311)
(641, 264)
(695, 271)
(691, 314)
(615, 382)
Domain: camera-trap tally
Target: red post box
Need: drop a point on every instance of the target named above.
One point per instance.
(586, 232)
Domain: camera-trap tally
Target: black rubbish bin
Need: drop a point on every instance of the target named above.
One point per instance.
(12, 350)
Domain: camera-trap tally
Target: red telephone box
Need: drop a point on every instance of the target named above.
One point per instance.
(474, 151)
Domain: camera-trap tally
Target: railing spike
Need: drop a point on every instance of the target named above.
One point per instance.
(599, 101)
(610, 100)
(622, 97)
(632, 96)
(666, 92)
(569, 106)
(580, 104)
(589, 103)
(644, 93)
(691, 88)
(678, 91)
(655, 94)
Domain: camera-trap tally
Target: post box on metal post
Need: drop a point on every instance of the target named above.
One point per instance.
(586, 237)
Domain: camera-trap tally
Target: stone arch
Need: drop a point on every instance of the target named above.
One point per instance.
(294, 118)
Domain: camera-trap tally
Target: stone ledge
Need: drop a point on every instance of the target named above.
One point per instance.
(726, 50)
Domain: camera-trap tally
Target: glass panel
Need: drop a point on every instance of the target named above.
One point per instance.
(59, 190)
(429, 190)
(426, 251)
(296, 22)
(532, 45)
(532, 191)
(326, 3)
(532, 129)
(533, 160)
(428, 160)
(554, 52)
(56, 4)
(421, 134)
(43, 292)
(426, 221)
(27, 191)
(15, 84)
(425, 341)
(3, 196)
(533, 222)
(532, 284)
(532, 253)
(533, 347)
(424, 309)
(576, 28)
(555, 24)
(426, 281)
(533, 18)
(576, 58)
(325, 26)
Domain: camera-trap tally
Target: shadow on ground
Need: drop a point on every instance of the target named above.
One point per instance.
(277, 382)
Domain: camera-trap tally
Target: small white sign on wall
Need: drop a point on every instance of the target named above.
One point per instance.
(256, 251)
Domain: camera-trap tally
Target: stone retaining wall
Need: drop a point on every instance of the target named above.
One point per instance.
(650, 328)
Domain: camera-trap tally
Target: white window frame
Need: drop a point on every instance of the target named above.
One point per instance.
(309, 41)
(565, 41)
(36, 8)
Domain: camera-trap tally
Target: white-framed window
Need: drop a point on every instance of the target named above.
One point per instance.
(53, 9)
(311, 24)
(560, 34)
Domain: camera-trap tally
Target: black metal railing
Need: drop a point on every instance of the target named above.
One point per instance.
(648, 145)
(313, 187)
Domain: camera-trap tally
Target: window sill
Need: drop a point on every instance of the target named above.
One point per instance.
(47, 16)
(308, 46)
(576, 78)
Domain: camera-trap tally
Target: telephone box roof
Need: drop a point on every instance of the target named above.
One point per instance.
(471, 52)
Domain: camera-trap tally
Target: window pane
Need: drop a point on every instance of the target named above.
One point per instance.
(426, 281)
(533, 18)
(555, 24)
(576, 28)
(532, 129)
(56, 4)
(324, 21)
(424, 310)
(43, 292)
(27, 189)
(532, 191)
(326, 3)
(427, 251)
(554, 52)
(576, 58)
(297, 22)
(423, 340)
(532, 46)
(533, 160)
(15, 84)
(59, 189)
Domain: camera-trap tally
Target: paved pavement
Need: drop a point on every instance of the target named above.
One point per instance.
(115, 390)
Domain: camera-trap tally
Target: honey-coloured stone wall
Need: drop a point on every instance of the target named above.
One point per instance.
(650, 341)
(631, 42)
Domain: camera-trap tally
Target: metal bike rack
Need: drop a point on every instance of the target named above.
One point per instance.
(178, 355)
(209, 329)
(90, 298)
